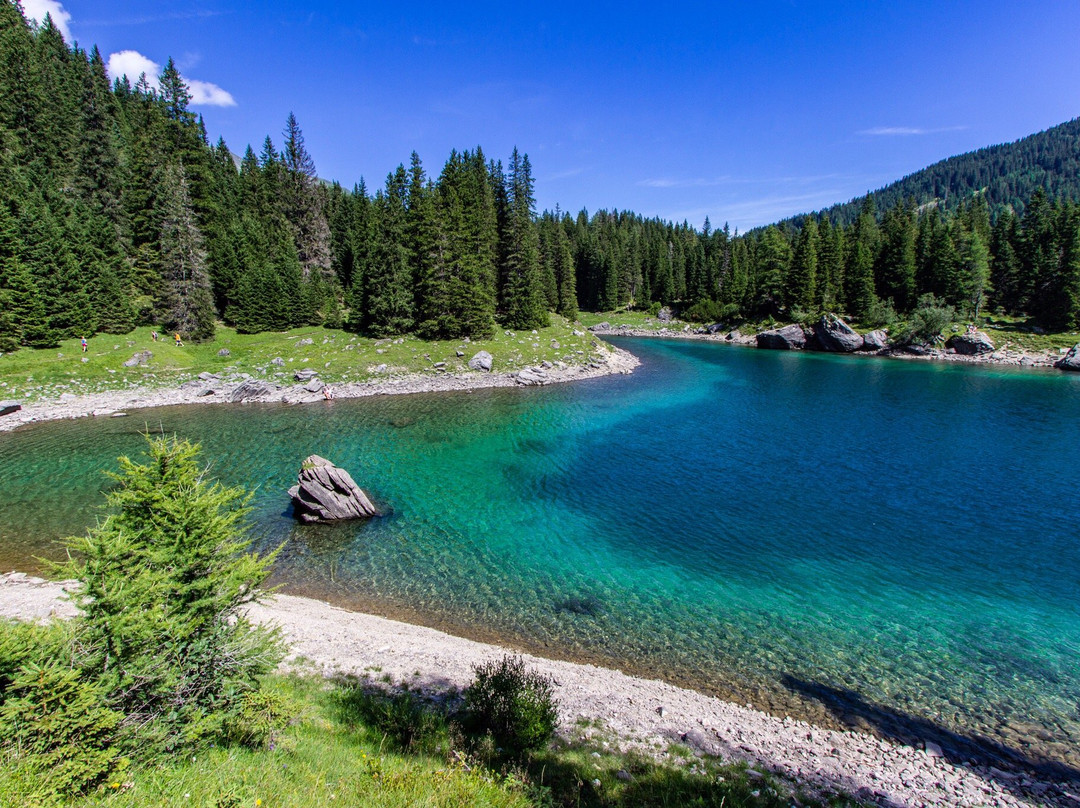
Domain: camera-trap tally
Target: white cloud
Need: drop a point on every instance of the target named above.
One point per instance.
(133, 64)
(892, 131)
(37, 9)
(206, 94)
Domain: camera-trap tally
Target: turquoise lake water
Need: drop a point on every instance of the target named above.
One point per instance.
(885, 544)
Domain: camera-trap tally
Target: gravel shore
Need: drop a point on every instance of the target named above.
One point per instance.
(606, 361)
(640, 712)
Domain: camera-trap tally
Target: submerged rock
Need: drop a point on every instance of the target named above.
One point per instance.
(971, 343)
(834, 335)
(1071, 360)
(326, 493)
(481, 361)
(789, 338)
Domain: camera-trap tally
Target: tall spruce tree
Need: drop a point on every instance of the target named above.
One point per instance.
(524, 303)
(185, 302)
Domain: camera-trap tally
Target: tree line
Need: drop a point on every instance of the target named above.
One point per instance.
(116, 210)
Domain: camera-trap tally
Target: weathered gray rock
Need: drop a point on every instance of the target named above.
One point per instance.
(315, 386)
(326, 493)
(193, 384)
(665, 315)
(604, 326)
(307, 341)
(277, 360)
(206, 376)
(876, 340)
(789, 338)
(481, 361)
(8, 407)
(531, 376)
(834, 335)
(224, 352)
(252, 390)
(1071, 360)
(140, 358)
(715, 328)
(305, 375)
(733, 335)
(971, 343)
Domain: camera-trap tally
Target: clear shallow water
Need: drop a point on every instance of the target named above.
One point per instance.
(894, 543)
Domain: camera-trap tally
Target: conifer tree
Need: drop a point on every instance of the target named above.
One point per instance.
(802, 280)
(523, 297)
(185, 302)
(303, 204)
(388, 283)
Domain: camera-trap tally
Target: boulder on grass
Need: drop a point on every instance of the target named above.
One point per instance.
(140, 358)
(481, 361)
(789, 338)
(326, 493)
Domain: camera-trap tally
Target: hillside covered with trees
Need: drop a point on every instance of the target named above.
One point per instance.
(116, 210)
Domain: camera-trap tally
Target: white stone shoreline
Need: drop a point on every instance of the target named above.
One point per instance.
(640, 712)
(605, 362)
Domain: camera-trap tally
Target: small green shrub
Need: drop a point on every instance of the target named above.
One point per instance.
(409, 723)
(881, 314)
(516, 706)
(56, 730)
(711, 311)
(261, 716)
(930, 318)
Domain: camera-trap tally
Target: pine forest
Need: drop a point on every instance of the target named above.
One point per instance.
(117, 210)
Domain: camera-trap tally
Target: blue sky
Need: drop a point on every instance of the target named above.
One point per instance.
(743, 112)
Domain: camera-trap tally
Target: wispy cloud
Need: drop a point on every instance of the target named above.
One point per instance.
(133, 64)
(714, 182)
(148, 19)
(564, 175)
(37, 10)
(902, 131)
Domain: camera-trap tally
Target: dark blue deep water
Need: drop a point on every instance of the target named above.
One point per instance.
(893, 545)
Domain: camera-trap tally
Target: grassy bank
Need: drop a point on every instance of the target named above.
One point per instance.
(334, 753)
(45, 374)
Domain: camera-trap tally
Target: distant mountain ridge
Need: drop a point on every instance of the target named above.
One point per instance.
(1007, 174)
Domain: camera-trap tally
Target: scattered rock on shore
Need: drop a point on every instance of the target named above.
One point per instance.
(834, 335)
(971, 343)
(531, 376)
(140, 358)
(877, 340)
(305, 375)
(1071, 360)
(252, 390)
(789, 338)
(481, 361)
(8, 407)
(326, 493)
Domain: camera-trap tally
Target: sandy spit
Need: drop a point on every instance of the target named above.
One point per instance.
(605, 361)
(640, 712)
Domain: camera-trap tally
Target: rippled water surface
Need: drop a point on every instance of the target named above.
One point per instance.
(897, 542)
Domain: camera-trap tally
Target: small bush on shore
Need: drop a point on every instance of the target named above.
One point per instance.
(514, 705)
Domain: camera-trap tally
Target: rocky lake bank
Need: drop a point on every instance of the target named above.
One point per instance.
(636, 712)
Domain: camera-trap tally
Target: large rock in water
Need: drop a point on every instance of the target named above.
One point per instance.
(326, 493)
(971, 343)
(789, 338)
(1071, 360)
(834, 335)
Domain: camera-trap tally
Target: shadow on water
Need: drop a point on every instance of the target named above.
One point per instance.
(1002, 761)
